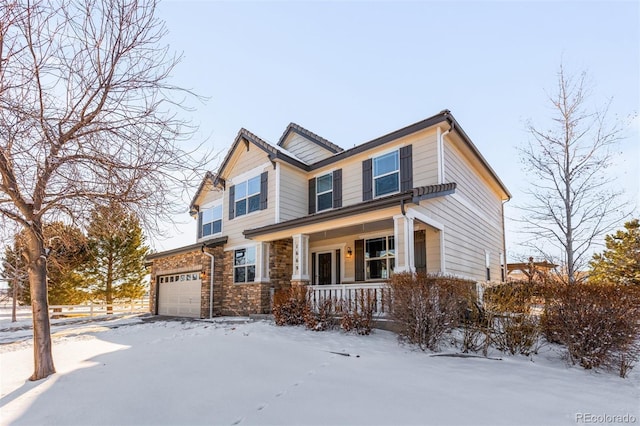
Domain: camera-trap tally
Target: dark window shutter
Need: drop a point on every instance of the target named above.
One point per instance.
(338, 270)
(367, 179)
(200, 225)
(313, 269)
(406, 168)
(264, 190)
(359, 247)
(232, 201)
(312, 196)
(337, 188)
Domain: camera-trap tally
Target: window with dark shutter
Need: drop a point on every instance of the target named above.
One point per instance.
(337, 188)
(406, 168)
(264, 190)
(359, 259)
(312, 196)
(232, 203)
(367, 180)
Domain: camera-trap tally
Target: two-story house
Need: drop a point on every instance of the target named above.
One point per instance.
(306, 212)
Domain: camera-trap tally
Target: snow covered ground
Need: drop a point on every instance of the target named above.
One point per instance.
(132, 372)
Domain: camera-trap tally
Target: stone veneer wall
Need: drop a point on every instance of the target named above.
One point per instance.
(242, 299)
(191, 261)
(218, 267)
(281, 263)
(228, 298)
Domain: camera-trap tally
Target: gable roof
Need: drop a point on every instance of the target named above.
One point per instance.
(208, 177)
(318, 140)
(272, 151)
(277, 152)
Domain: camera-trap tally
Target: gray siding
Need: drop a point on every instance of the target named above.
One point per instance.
(293, 193)
(306, 150)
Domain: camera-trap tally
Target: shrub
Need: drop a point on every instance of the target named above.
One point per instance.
(290, 305)
(426, 307)
(598, 323)
(474, 327)
(358, 315)
(513, 326)
(322, 317)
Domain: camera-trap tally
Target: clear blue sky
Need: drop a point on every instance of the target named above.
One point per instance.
(352, 71)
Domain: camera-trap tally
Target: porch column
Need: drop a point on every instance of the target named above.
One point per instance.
(262, 262)
(403, 235)
(300, 274)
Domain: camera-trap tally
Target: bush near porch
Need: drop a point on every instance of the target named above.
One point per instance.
(598, 325)
(293, 306)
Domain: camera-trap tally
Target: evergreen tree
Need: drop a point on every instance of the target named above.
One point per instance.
(66, 253)
(619, 263)
(116, 268)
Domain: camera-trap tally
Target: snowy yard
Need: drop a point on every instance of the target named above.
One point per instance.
(232, 372)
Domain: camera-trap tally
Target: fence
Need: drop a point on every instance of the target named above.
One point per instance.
(377, 295)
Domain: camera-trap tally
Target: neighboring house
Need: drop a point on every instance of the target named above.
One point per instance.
(306, 212)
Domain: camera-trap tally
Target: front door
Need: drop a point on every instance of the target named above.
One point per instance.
(324, 268)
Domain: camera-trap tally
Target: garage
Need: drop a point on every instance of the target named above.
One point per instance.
(179, 294)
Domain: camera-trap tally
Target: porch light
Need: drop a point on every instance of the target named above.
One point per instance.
(349, 252)
(203, 274)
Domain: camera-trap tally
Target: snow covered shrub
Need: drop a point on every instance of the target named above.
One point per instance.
(514, 327)
(322, 317)
(474, 327)
(358, 315)
(426, 307)
(598, 323)
(290, 305)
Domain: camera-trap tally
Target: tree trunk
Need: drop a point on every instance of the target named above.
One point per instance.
(109, 286)
(42, 355)
(15, 299)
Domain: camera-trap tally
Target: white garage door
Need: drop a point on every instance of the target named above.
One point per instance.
(179, 295)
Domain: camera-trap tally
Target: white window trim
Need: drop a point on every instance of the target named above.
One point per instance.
(256, 265)
(246, 197)
(262, 260)
(318, 193)
(211, 205)
(395, 252)
(374, 177)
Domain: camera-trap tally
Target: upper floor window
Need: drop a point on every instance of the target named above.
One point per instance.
(211, 221)
(380, 258)
(324, 191)
(244, 265)
(247, 196)
(386, 174)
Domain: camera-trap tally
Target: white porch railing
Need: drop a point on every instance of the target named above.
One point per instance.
(352, 296)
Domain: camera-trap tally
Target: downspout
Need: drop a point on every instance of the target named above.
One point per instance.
(210, 281)
(441, 152)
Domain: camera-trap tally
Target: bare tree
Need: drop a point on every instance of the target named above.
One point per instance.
(87, 116)
(573, 202)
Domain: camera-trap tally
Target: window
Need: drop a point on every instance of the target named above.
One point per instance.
(379, 256)
(386, 174)
(212, 221)
(324, 191)
(487, 261)
(244, 265)
(247, 196)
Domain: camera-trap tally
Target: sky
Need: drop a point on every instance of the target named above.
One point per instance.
(355, 70)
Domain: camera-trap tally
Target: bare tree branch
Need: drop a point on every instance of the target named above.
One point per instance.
(572, 202)
(88, 116)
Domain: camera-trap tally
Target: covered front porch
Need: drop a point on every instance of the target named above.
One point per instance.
(343, 257)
